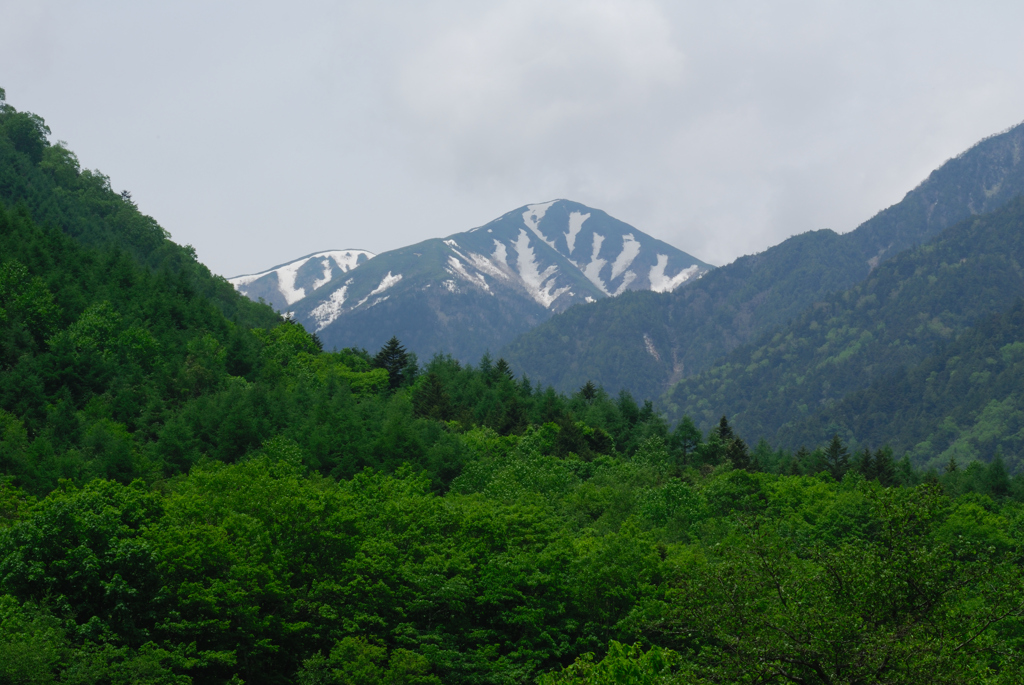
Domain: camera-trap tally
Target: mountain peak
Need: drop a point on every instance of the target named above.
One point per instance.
(496, 280)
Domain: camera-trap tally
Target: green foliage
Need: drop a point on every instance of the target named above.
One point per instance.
(623, 665)
(904, 605)
(792, 384)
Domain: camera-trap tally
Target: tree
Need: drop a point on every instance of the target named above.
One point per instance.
(996, 479)
(588, 392)
(837, 458)
(502, 371)
(885, 466)
(394, 359)
(725, 430)
(431, 400)
(685, 439)
(908, 605)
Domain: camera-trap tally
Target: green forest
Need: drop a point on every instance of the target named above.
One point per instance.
(194, 491)
(792, 385)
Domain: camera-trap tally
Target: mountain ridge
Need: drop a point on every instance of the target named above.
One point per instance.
(692, 328)
(472, 291)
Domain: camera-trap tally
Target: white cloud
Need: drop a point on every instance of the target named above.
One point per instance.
(256, 130)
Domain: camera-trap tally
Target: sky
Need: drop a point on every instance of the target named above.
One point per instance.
(259, 132)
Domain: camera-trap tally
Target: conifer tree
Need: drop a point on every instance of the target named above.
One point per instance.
(997, 481)
(837, 458)
(394, 359)
(885, 467)
(685, 439)
(864, 464)
(589, 391)
(431, 400)
(502, 370)
(725, 430)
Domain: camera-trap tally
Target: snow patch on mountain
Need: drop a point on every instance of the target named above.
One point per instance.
(385, 283)
(500, 255)
(628, 278)
(286, 282)
(593, 269)
(320, 282)
(330, 309)
(346, 260)
(489, 267)
(630, 249)
(651, 350)
(456, 267)
(532, 217)
(538, 283)
(576, 220)
(660, 283)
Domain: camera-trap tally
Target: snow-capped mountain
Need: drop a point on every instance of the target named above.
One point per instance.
(476, 290)
(285, 284)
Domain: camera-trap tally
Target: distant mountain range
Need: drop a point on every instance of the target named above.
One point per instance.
(648, 342)
(476, 290)
(869, 335)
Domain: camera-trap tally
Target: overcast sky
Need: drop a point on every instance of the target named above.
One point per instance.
(259, 132)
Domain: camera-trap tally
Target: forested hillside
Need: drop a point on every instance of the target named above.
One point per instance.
(647, 343)
(960, 405)
(193, 491)
(905, 311)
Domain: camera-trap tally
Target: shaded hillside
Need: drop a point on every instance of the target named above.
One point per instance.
(906, 310)
(686, 332)
(964, 403)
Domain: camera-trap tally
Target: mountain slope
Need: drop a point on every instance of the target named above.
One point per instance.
(685, 332)
(964, 402)
(285, 284)
(476, 290)
(907, 309)
(48, 183)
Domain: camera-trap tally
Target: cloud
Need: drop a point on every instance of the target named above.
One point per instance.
(255, 130)
(528, 85)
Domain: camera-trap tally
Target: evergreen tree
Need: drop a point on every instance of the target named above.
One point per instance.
(685, 439)
(503, 371)
(837, 458)
(394, 359)
(725, 430)
(430, 399)
(589, 391)
(864, 464)
(885, 467)
(996, 479)
(736, 451)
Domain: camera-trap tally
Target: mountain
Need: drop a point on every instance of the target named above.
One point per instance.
(46, 183)
(909, 308)
(966, 402)
(285, 284)
(648, 342)
(474, 291)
